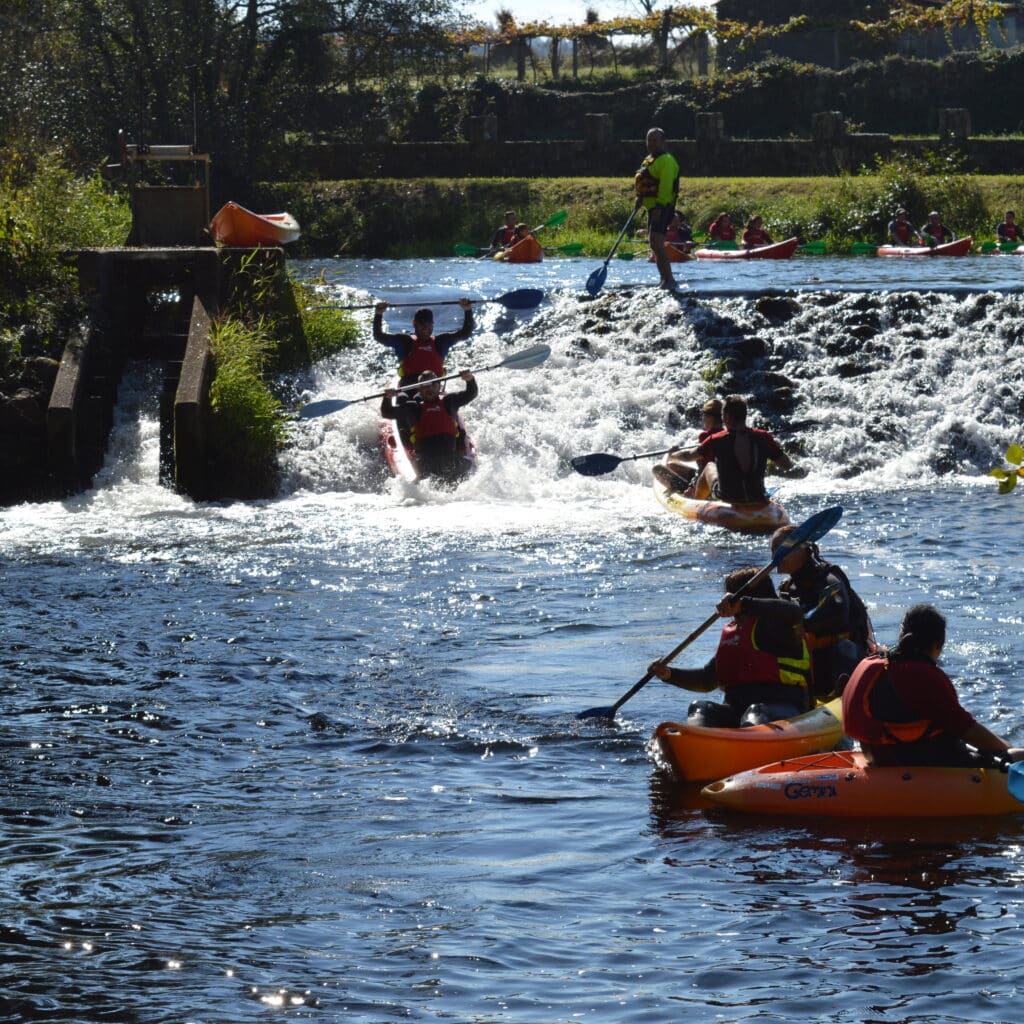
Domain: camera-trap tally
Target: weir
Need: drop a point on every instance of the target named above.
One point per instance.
(153, 299)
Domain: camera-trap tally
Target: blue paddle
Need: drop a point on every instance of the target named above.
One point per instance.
(811, 530)
(1016, 780)
(597, 279)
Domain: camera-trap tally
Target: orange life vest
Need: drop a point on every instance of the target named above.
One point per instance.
(859, 718)
(739, 661)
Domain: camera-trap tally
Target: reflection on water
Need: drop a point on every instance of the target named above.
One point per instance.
(319, 757)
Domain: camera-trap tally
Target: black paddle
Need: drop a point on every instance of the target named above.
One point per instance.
(814, 528)
(601, 462)
(597, 279)
(524, 360)
(521, 298)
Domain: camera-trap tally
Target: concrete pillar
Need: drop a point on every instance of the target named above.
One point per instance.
(954, 124)
(710, 126)
(597, 129)
(483, 128)
(828, 126)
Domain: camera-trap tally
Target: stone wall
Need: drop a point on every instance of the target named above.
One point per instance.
(710, 157)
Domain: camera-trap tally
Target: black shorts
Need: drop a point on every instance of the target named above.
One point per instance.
(659, 218)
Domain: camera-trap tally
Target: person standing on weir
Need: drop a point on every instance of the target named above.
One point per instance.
(657, 186)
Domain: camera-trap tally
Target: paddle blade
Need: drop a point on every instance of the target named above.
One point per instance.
(607, 712)
(533, 356)
(595, 465)
(808, 531)
(597, 279)
(466, 250)
(1016, 780)
(624, 255)
(570, 249)
(863, 249)
(816, 248)
(322, 408)
(523, 298)
(556, 218)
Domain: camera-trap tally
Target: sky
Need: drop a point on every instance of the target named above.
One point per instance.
(557, 11)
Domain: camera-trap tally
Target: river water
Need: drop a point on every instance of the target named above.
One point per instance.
(318, 758)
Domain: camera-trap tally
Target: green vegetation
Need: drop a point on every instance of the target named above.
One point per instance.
(431, 216)
(46, 210)
(1008, 477)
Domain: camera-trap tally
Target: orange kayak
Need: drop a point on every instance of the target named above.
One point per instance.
(697, 753)
(841, 785)
(235, 225)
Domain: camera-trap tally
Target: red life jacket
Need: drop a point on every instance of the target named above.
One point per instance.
(756, 237)
(506, 236)
(859, 719)
(435, 419)
(902, 231)
(739, 661)
(422, 356)
(1011, 232)
(722, 234)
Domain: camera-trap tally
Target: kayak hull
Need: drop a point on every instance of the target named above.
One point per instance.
(961, 247)
(235, 225)
(699, 754)
(776, 251)
(841, 785)
(763, 518)
(402, 462)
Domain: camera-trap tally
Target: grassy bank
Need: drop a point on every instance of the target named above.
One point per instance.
(427, 217)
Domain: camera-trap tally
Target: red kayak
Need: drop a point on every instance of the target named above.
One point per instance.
(775, 251)
(402, 461)
(237, 226)
(961, 247)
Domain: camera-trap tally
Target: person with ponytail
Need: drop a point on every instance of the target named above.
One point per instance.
(904, 709)
(837, 626)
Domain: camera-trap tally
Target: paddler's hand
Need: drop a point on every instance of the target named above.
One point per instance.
(466, 304)
(380, 307)
(660, 669)
(729, 607)
(390, 393)
(466, 375)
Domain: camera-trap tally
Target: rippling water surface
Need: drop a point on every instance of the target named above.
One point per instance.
(318, 758)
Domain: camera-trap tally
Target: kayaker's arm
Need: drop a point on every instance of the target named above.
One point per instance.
(983, 739)
(700, 680)
(397, 342)
(448, 338)
(457, 401)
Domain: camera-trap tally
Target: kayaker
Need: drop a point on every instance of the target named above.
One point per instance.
(754, 234)
(505, 235)
(421, 350)
(762, 663)
(904, 709)
(736, 458)
(656, 185)
(934, 232)
(524, 247)
(837, 626)
(1009, 230)
(679, 232)
(901, 231)
(721, 229)
(674, 473)
(432, 425)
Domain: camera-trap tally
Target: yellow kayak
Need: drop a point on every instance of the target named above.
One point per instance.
(748, 518)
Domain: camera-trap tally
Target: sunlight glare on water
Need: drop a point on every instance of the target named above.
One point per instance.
(319, 756)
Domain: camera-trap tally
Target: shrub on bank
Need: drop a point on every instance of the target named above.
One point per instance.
(428, 217)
